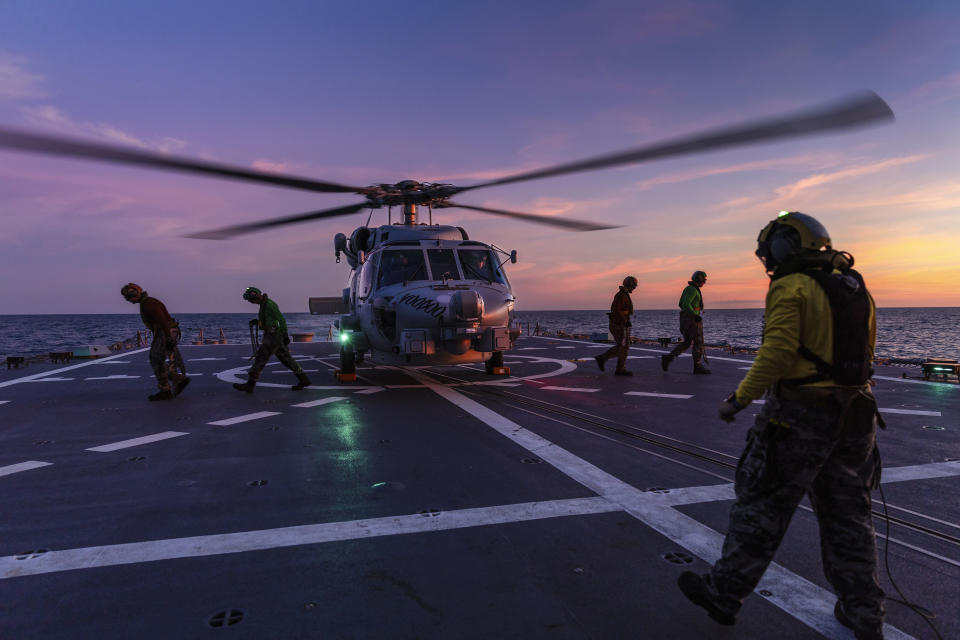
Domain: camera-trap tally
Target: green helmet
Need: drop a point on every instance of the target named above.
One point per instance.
(790, 235)
(699, 276)
(250, 292)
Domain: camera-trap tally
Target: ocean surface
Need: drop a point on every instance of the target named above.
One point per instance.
(907, 333)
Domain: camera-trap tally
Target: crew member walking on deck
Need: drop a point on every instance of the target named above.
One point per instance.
(691, 324)
(815, 435)
(165, 358)
(275, 341)
(620, 311)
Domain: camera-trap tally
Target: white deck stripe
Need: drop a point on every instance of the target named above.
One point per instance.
(799, 597)
(119, 376)
(911, 412)
(679, 396)
(244, 418)
(54, 379)
(133, 442)
(203, 359)
(216, 544)
(4, 401)
(71, 367)
(714, 492)
(22, 466)
(549, 388)
(317, 403)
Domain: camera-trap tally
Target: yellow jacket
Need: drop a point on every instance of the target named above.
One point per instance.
(797, 312)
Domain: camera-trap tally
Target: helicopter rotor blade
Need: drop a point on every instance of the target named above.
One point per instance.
(859, 110)
(228, 232)
(76, 148)
(565, 223)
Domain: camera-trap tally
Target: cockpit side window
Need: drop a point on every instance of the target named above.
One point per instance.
(401, 265)
(443, 264)
(481, 264)
(368, 275)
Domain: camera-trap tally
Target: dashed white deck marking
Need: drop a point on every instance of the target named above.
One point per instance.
(367, 392)
(531, 348)
(660, 351)
(317, 403)
(4, 401)
(920, 472)
(940, 385)
(577, 389)
(911, 412)
(217, 544)
(640, 357)
(561, 347)
(133, 442)
(70, 368)
(119, 376)
(678, 396)
(908, 412)
(22, 466)
(245, 418)
(116, 362)
(799, 597)
(203, 359)
(49, 380)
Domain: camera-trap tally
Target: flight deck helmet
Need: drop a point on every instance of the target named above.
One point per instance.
(132, 292)
(790, 235)
(699, 277)
(250, 293)
(630, 283)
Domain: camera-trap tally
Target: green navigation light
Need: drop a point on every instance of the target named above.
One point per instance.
(783, 213)
(344, 337)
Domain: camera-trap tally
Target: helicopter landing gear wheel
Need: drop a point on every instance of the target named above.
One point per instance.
(494, 365)
(348, 366)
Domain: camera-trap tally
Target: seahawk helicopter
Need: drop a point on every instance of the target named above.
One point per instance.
(426, 294)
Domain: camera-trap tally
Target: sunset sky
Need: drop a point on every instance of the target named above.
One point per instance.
(365, 92)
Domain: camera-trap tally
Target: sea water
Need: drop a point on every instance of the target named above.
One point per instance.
(906, 333)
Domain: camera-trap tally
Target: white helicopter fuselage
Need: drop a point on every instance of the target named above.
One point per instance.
(426, 296)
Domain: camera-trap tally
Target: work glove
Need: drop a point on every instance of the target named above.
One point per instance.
(698, 318)
(254, 322)
(730, 407)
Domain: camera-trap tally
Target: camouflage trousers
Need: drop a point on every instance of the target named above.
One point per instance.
(166, 361)
(621, 346)
(692, 332)
(819, 442)
(272, 344)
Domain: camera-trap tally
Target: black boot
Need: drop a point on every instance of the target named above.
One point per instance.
(699, 593)
(180, 386)
(872, 633)
(163, 394)
(665, 362)
(246, 386)
(699, 368)
(302, 382)
(623, 372)
(600, 361)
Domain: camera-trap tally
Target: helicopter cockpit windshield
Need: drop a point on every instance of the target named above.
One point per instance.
(479, 264)
(443, 265)
(401, 265)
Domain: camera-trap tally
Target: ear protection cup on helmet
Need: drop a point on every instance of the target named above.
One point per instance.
(784, 244)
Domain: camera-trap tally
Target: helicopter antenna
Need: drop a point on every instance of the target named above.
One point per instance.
(389, 215)
(430, 213)
(369, 217)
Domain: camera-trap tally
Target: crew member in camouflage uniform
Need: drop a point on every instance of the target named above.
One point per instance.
(814, 435)
(620, 311)
(691, 324)
(165, 358)
(275, 341)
